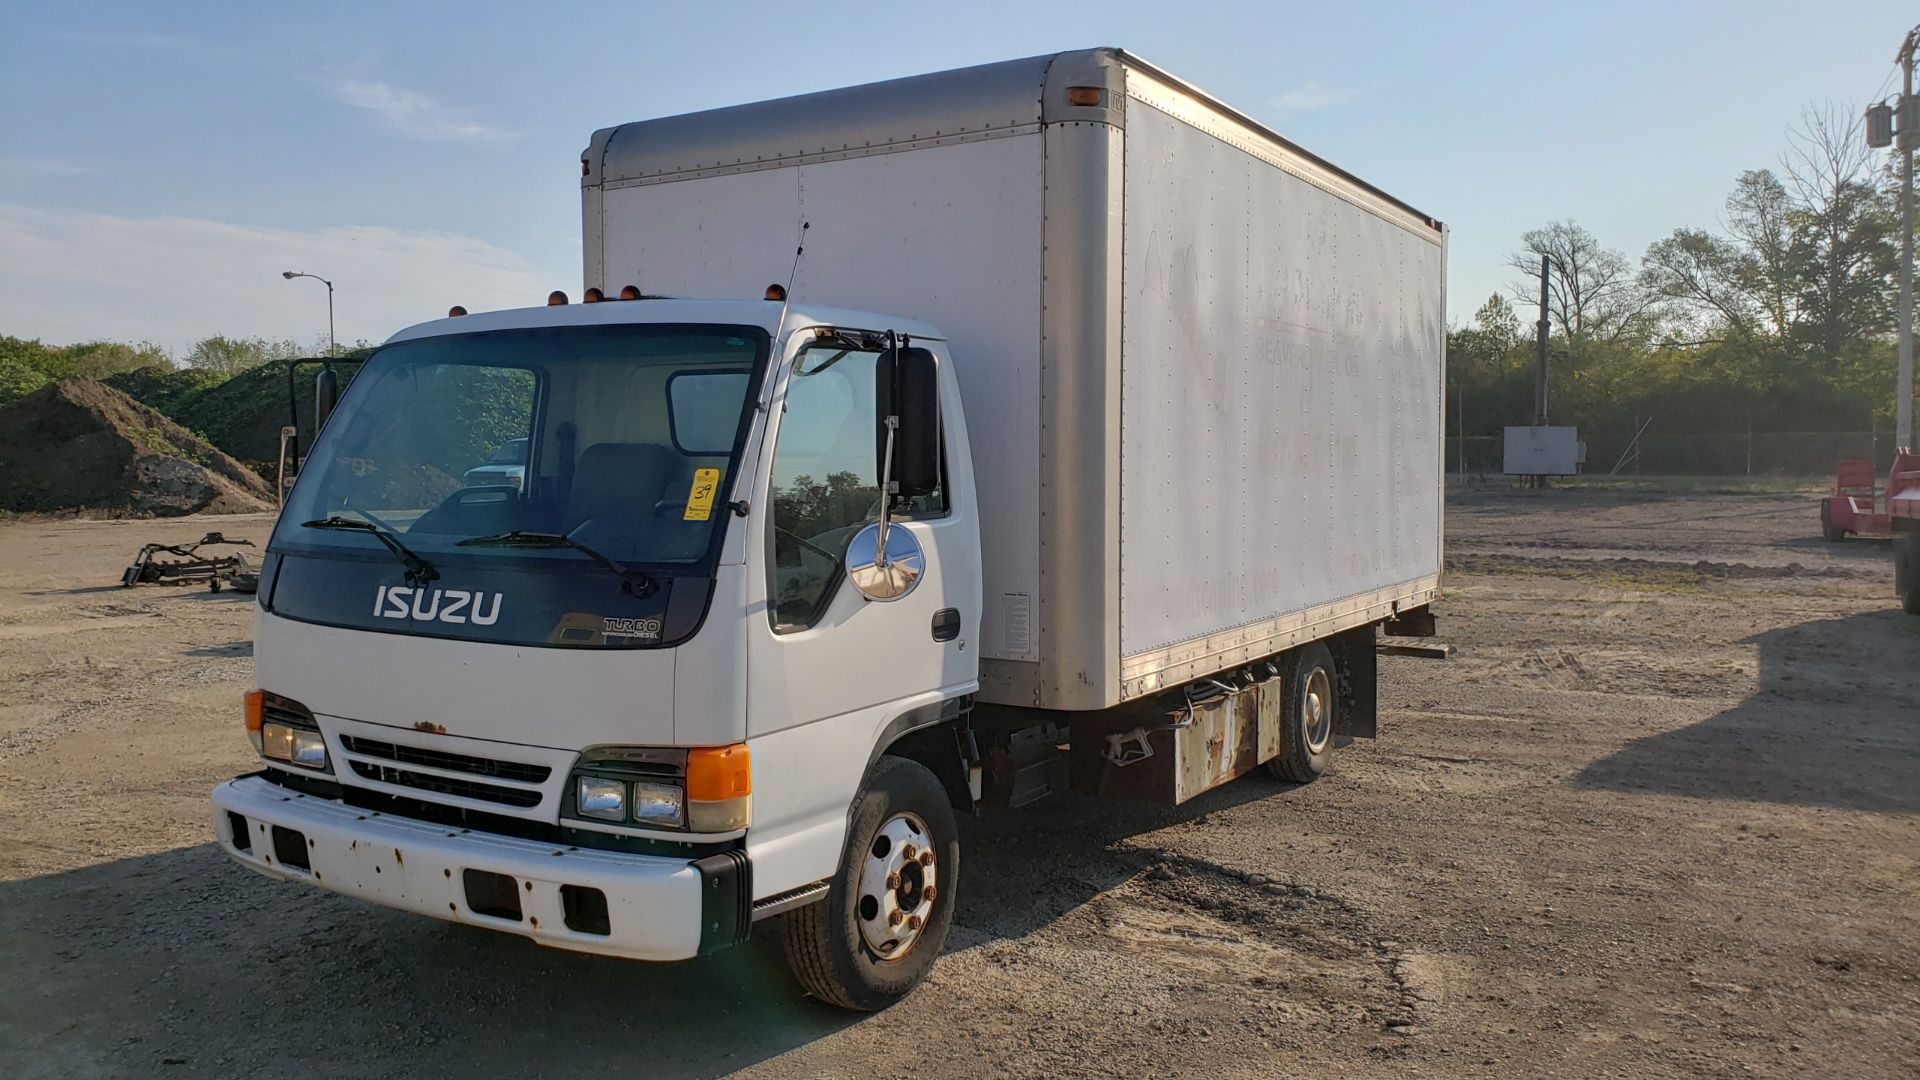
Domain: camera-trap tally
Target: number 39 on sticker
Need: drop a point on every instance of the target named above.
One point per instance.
(706, 485)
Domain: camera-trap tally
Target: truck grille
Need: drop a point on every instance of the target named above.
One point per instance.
(518, 772)
(448, 785)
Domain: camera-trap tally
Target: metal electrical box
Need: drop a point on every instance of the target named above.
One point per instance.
(1542, 451)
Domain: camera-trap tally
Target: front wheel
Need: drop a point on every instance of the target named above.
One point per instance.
(1307, 719)
(888, 909)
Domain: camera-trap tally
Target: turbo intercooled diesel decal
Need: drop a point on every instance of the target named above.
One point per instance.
(445, 605)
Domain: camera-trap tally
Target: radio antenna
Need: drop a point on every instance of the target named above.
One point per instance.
(786, 295)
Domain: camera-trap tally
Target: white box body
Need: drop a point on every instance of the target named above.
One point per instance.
(1202, 368)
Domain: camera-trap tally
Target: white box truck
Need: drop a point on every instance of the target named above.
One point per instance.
(966, 436)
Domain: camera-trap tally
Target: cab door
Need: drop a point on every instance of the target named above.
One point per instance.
(829, 671)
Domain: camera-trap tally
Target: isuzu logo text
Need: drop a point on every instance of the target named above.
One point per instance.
(436, 605)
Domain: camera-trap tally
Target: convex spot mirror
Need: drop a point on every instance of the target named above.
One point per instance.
(906, 386)
(890, 578)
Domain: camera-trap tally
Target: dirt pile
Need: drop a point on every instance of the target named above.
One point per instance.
(81, 445)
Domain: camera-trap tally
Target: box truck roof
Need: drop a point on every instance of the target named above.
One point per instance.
(938, 108)
(762, 313)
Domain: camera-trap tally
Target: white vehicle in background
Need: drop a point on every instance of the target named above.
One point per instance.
(507, 466)
(1099, 440)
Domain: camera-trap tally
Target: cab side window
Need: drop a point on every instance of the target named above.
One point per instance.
(826, 483)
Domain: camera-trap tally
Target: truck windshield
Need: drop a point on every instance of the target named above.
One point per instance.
(620, 439)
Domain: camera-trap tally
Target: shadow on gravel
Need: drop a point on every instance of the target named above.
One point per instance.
(182, 958)
(1852, 549)
(1025, 868)
(1836, 722)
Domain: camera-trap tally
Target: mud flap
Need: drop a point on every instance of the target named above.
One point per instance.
(1357, 663)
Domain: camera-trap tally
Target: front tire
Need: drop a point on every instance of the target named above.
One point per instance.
(1309, 716)
(888, 910)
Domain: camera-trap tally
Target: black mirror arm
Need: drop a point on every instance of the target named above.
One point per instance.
(886, 458)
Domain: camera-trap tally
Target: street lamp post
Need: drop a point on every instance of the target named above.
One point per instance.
(291, 274)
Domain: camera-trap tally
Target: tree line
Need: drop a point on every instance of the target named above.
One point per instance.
(1779, 317)
(26, 364)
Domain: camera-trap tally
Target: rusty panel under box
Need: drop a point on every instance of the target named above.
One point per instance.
(1148, 751)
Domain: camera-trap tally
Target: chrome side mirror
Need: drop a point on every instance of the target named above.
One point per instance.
(892, 576)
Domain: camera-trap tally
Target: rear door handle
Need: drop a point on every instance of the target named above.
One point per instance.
(946, 624)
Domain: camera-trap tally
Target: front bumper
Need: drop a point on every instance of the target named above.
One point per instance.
(648, 907)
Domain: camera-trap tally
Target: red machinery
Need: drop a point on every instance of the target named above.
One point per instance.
(1903, 513)
(1853, 508)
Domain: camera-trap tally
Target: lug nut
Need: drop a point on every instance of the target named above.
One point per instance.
(930, 893)
(913, 922)
(906, 852)
(926, 858)
(893, 880)
(895, 918)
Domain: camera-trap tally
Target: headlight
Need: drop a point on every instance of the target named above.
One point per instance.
(703, 789)
(597, 797)
(656, 804)
(295, 746)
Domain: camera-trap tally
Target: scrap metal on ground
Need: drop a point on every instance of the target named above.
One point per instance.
(235, 570)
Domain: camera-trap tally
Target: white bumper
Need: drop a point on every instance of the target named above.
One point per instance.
(653, 904)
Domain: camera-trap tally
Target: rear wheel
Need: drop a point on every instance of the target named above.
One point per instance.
(1906, 571)
(888, 909)
(1307, 719)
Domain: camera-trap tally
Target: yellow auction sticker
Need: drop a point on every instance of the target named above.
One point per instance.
(706, 484)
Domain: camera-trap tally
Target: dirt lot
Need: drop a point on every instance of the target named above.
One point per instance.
(1661, 816)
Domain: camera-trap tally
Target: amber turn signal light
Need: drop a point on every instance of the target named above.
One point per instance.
(719, 772)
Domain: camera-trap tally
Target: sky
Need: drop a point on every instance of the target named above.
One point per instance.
(161, 164)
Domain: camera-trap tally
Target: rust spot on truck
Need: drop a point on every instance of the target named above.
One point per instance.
(430, 727)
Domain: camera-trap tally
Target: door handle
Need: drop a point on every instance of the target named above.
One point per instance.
(946, 624)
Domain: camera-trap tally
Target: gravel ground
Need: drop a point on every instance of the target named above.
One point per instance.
(1659, 816)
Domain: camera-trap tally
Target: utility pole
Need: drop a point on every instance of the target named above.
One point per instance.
(1540, 374)
(1909, 134)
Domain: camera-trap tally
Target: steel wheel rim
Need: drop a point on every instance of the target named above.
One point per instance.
(1316, 709)
(897, 886)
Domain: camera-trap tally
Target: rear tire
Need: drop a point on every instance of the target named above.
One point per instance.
(1906, 571)
(1828, 530)
(902, 858)
(1309, 715)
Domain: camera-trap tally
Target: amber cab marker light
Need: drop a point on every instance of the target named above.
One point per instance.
(556, 298)
(629, 292)
(592, 296)
(776, 292)
(456, 311)
(1083, 95)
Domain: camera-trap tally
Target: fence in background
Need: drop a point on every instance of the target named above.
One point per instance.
(1800, 453)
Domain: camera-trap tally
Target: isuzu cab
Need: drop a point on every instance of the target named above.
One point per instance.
(963, 438)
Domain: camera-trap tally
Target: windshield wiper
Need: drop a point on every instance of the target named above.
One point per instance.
(633, 581)
(419, 571)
